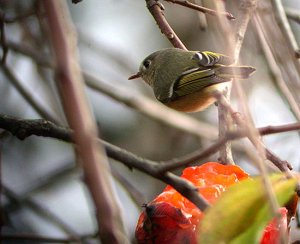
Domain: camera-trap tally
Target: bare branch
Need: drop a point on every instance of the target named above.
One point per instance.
(3, 37)
(40, 210)
(293, 14)
(12, 19)
(202, 17)
(202, 9)
(286, 30)
(152, 168)
(127, 158)
(25, 128)
(156, 9)
(275, 71)
(234, 40)
(267, 130)
(284, 57)
(256, 141)
(27, 95)
(136, 194)
(94, 161)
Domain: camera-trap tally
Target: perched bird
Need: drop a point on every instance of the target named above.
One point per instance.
(187, 80)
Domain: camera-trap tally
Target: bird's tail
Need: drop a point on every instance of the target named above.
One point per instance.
(238, 72)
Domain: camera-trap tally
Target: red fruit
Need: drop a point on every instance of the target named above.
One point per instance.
(171, 218)
(272, 231)
(163, 223)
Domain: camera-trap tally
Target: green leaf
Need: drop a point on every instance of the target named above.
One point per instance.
(241, 213)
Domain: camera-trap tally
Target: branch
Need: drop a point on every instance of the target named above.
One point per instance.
(94, 162)
(246, 10)
(276, 39)
(40, 210)
(136, 195)
(156, 9)
(127, 158)
(202, 9)
(267, 130)
(13, 19)
(275, 71)
(233, 44)
(193, 157)
(142, 104)
(27, 95)
(3, 37)
(201, 17)
(256, 141)
(22, 128)
(293, 14)
(152, 168)
(286, 30)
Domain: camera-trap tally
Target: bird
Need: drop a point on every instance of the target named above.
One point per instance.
(188, 80)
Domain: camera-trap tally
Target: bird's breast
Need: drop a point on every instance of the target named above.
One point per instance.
(197, 101)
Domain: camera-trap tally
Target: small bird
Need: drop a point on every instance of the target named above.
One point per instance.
(187, 80)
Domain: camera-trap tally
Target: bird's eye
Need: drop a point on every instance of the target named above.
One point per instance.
(146, 63)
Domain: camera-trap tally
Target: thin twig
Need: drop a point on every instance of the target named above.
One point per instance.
(256, 141)
(40, 210)
(202, 9)
(12, 19)
(276, 39)
(270, 129)
(201, 16)
(132, 190)
(94, 162)
(233, 49)
(27, 95)
(292, 14)
(275, 71)
(38, 57)
(225, 125)
(286, 30)
(3, 38)
(193, 157)
(156, 9)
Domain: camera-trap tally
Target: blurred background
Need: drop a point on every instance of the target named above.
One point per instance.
(43, 192)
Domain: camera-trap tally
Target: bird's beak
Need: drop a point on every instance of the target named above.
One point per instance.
(137, 75)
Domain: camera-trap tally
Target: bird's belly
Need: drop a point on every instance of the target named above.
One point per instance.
(197, 101)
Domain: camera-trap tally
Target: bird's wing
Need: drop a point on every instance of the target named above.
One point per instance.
(194, 80)
(207, 59)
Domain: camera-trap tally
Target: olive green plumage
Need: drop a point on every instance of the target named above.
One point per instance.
(180, 77)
